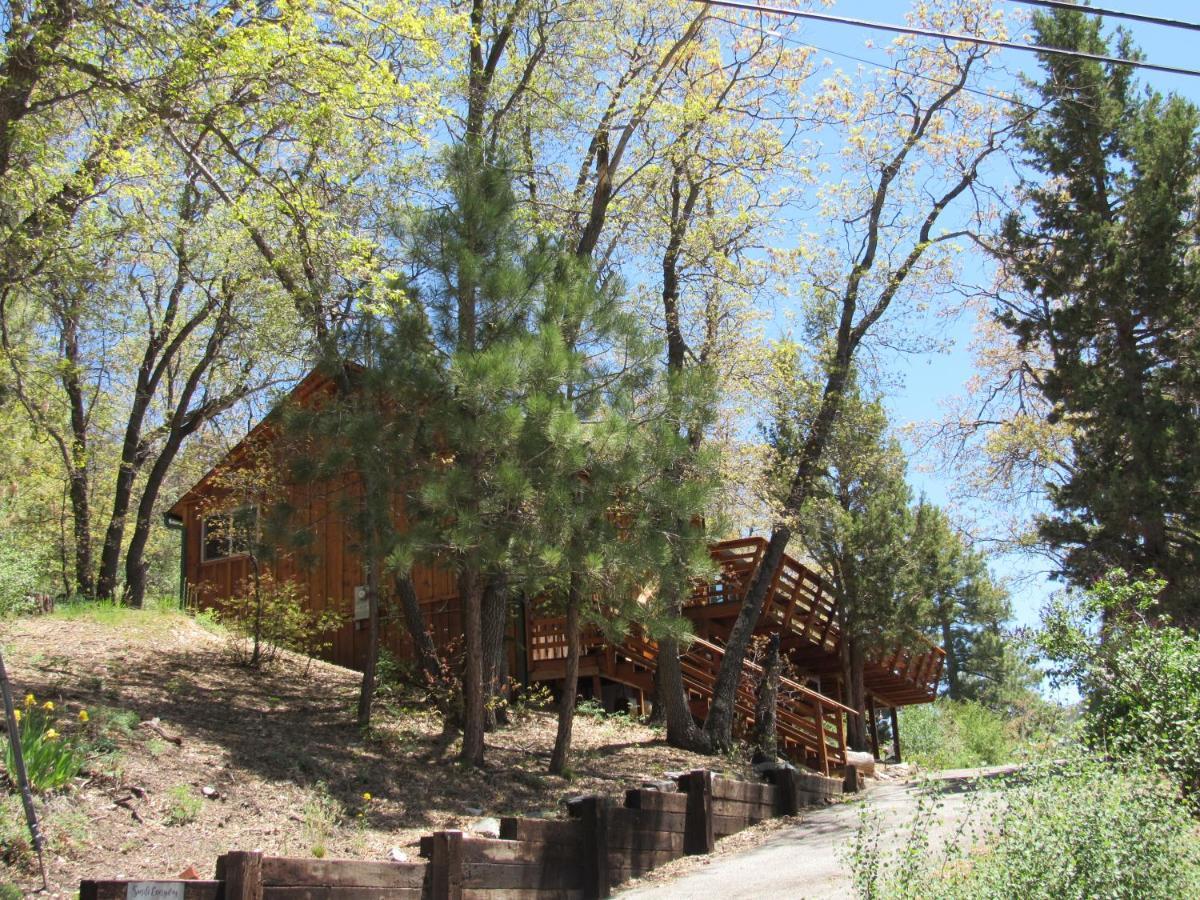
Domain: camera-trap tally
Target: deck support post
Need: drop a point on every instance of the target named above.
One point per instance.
(873, 724)
(895, 735)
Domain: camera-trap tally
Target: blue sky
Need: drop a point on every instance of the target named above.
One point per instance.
(927, 380)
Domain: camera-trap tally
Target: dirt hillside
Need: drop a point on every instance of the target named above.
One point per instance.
(190, 756)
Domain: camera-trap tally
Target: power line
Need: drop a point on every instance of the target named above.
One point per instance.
(948, 36)
(1111, 13)
(795, 42)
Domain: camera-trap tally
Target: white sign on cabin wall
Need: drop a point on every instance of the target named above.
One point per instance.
(154, 890)
(362, 609)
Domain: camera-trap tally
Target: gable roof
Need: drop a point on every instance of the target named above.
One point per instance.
(312, 383)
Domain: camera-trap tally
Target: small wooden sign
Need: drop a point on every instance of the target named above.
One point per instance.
(154, 890)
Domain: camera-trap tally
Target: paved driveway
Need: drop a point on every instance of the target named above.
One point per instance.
(804, 861)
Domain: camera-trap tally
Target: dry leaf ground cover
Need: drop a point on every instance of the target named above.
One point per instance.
(190, 756)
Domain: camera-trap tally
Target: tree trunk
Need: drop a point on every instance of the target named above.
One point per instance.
(185, 422)
(682, 730)
(77, 459)
(256, 573)
(470, 590)
(766, 707)
(423, 646)
(135, 555)
(366, 694)
(719, 724)
(658, 715)
(566, 706)
(953, 683)
(856, 725)
(495, 660)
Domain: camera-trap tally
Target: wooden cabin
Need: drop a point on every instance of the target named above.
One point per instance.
(800, 606)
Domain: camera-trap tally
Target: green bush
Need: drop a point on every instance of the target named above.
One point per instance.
(19, 579)
(1138, 673)
(950, 734)
(268, 615)
(52, 759)
(1075, 831)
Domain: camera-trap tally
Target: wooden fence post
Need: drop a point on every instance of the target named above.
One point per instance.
(787, 800)
(242, 873)
(592, 813)
(698, 834)
(447, 865)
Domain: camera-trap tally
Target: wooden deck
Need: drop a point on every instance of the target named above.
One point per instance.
(801, 608)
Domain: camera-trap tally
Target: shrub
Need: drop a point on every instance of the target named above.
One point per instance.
(19, 579)
(1083, 829)
(951, 734)
(267, 615)
(1139, 674)
(530, 698)
(52, 758)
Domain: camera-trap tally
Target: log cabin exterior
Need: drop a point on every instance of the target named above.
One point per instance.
(330, 573)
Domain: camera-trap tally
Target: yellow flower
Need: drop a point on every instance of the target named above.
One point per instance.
(30, 701)
(48, 706)
(366, 795)
(50, 734)
(17, 714)
(83, 715)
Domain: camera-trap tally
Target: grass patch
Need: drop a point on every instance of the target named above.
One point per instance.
(153, 617)
(183, 806)
(15, 845)
(322, 816)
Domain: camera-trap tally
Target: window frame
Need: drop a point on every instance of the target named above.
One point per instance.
(228, 540)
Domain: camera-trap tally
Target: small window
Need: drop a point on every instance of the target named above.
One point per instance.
(225, 535)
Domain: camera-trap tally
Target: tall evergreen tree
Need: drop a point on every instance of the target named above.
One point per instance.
(1105, 251)
(970, 609)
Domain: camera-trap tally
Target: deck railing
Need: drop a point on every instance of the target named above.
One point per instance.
(804, 609)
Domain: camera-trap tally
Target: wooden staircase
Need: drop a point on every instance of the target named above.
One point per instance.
(803, 609)
(800, 607)
(810, 726)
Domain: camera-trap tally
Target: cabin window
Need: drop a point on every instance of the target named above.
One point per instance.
(229, 534)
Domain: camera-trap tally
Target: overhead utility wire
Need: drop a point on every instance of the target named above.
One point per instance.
(1110, 13)
(796, 42)
(947, 35)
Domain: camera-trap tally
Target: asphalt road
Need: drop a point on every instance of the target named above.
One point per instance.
(805, 861)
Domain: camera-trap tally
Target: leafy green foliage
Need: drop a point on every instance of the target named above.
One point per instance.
(1139, 675)
(950, 734)
(1066, 831)
(275, 615)
(20, 577)
(52, 758)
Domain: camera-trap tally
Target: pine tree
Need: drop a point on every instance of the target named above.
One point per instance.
(594, 457)
(359, 450)
(970, 609)
(1105, 253)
